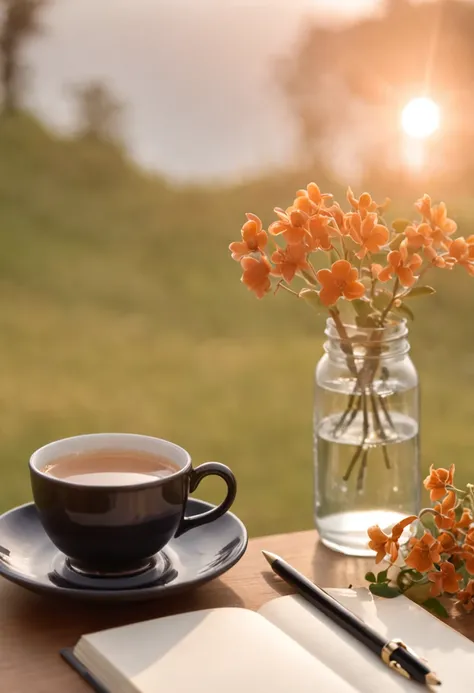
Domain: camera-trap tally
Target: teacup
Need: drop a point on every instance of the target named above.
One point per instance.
(116, 530)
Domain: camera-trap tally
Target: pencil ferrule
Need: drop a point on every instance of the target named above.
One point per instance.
(387, 650)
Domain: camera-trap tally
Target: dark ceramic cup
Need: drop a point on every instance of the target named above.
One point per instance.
(118, 529)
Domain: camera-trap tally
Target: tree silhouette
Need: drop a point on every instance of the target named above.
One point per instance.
(20, 19)
(99, 112)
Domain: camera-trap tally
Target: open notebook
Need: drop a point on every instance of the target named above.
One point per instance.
(287, 646)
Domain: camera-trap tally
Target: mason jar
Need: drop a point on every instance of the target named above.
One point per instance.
(366, 434)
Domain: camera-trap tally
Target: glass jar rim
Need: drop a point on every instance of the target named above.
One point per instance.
(402, 323)
(391, 333)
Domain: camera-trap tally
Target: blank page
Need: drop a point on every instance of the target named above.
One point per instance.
(226, 649)
(449, 654)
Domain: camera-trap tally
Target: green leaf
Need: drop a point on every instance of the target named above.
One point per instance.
(396, 242)
(361, 307)
(312, 298)
(382, 576)
(426, 521)
(435, 606)
(420, 291)
(404, 310)
(399, 225)
(384, 590)
(414, 574)
(381, 300)
(333, 256)
(370, 577)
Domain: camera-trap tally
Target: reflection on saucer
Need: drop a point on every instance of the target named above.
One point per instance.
(158, 572)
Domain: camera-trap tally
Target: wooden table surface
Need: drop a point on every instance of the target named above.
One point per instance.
(33, 628)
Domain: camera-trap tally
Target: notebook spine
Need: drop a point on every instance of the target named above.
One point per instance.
(68, 655)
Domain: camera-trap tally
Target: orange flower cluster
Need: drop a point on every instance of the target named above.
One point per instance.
(434, 233)
(355, 240)
(444, 554)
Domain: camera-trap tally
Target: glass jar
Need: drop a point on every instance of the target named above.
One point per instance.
(366, 434)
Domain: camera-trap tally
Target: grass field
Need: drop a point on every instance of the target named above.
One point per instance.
(120, 310)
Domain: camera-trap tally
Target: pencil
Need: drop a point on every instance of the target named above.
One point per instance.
(394, 653)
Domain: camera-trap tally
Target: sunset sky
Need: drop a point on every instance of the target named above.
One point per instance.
(196, 75)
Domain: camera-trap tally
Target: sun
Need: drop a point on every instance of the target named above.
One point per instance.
(420, 118)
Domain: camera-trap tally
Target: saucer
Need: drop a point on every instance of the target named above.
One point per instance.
(30, 559)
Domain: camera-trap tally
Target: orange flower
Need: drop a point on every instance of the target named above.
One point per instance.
(397, 530)
(443, 227)
(289, 260)
(447, 542)
(418, 236)
(468, 557)
(367, 233)
(424, 553)
(465, 519)
(422, 236)
(461, 252)
(437, 480)
(303, 203)
(337, 214)
(444, 580)
(466, 597)
(402, 265)
(365, 203)
(311, 199)
(470, 537)
(340, 280)
(256, 274)
(423, 205)
(253, 238)
(292, 225)
(447, 518)
(315, 194)
(320, 232)
(384, 544)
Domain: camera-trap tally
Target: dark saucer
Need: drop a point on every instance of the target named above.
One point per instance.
(30, 559)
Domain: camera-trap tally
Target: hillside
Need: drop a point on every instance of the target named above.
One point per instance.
(121, 310)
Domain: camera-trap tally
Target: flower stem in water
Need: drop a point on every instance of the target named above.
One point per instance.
(365, 431)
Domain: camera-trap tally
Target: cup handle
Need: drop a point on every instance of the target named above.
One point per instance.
(196, 476)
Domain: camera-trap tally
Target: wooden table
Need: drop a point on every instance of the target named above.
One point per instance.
(33, 628)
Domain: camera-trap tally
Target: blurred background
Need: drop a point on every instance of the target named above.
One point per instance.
(133, 139)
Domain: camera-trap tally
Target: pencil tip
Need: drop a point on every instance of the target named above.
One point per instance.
(432, 679)
(271, 557)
